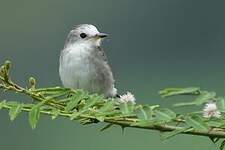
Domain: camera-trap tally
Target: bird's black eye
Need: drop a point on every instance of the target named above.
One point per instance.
(83, 35)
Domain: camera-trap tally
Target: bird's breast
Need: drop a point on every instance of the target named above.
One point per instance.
(76, 68)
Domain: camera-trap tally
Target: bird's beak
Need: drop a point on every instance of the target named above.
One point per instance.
(101, 35)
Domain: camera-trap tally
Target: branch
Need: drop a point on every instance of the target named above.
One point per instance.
(127, 123)
(93, 108)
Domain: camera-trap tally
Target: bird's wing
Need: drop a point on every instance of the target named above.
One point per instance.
(107, 73)
(102, 54)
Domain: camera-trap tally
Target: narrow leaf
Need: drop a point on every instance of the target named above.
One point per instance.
(12, 103)
(2, 104)
(55, 113)
(165, 114)
(127, 108)
(201, 99)
(221, 103)
(14, 111)
(144, 112)
(184, 104)
(51, 89)
(85, 121)
(100, 118)
(167, 135)
(179, 91)
(204, 97)
(216, 124)
(58, 94)
(196, 122)
(214, 139)
(74, 115)
(74, 100)
(222, 145)
(92, 101)
(34, 116)
(108, 106)
(107, 126)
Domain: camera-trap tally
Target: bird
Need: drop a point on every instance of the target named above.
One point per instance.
(83, 62)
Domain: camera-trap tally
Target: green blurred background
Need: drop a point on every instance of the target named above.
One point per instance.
(153, 44)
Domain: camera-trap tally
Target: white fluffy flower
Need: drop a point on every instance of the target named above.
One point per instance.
(211, 110)
(128, 97)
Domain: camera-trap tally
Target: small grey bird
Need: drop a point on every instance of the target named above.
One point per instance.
(83, 63)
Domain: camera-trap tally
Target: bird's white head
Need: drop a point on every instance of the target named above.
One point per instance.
(85, 34)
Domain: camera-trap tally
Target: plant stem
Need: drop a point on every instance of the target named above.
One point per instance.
(167, 128)
(124, 122)
(121, 120)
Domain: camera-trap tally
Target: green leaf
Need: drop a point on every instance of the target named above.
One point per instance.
(221, 103)
(170, 134)
(216, 124)
(196, 122)
(55, 113)
(204, 97)
(2, 104)
(107, 126)
(85, 121)
(222, 145)
(144, 112)
(108, 109)
(127, 108)
(201, 99)
(14, 111)
(214, 139)
(75, 99)
(152, 107)
(57, 94)
(92, 101)
(51, 90)
(100, 118)
(12, 103)
(34, 115)
(165, 114)
(184, 104)
(179, 91)
(74, 115)
(108, 106)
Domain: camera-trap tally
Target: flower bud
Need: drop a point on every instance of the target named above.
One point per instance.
(7, 65)
(32, 82)
(2, 70)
